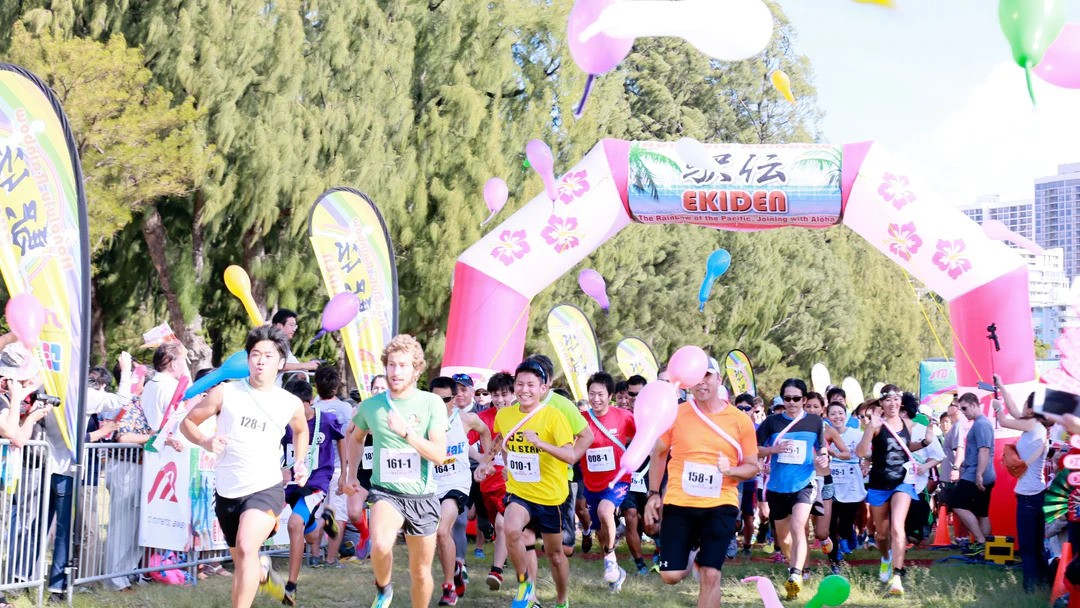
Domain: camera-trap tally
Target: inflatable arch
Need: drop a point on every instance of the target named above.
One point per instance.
(746, 188)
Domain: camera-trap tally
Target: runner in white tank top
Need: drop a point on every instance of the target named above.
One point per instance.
(252, 416)
(453, 479)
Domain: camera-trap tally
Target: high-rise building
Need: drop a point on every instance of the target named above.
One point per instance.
(1057, 214)
(1018, 216)
(1047, 283)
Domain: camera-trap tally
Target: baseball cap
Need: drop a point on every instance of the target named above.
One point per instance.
(18, 363)
(463, 379)
(714, 367)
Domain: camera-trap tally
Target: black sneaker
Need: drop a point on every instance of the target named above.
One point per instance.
(977, 550)
(586, 543)
(329, 524)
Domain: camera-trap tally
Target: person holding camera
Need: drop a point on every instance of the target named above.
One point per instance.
(20, 377)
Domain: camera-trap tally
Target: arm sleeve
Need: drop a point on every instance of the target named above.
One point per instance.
(334, 426)
(764, 436)
(986, 436)
(360, 420)
(438, 420)
(820, 442)
(577, 422)
(561, 432)
(749, 441)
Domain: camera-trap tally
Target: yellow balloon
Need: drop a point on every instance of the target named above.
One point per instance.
(885, 3)
(782, 83)
(238, 284)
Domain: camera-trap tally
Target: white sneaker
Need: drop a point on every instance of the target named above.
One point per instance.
(616, 586)
(611, 569)
(694, 566)
(896, 586)
(885, 571)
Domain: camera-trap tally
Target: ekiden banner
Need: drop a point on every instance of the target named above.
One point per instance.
(635, 357)
(44, 241)
(575, 345)
(746, 187)
(355, 254)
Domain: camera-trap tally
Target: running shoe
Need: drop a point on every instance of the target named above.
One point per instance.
(461, 579)
(793, 586)
(329, 524)
(643, 570)
(586, 543)
(479, 553)
(616, 586)
(896, 586)
(976, 550)
(611, 569)
(449, 596)
(494, 581)
(382, 600)
(778, 558)
(885, 570)
(844, 548)
(288, 598)
(271, 582)
(827, 546)
(834, 568)
(733, 548)
(524, 597)
(693, 565)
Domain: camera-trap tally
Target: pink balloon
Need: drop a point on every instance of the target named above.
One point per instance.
(601, 52)
(594, 286)
(654, 413)
(26, 316)
(542, 161)
(1060, 65)
(495, 194)
(687, 366)
(765, 590)
(340, 311)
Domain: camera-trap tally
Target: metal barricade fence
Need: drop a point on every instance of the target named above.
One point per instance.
(107, 521)
(24, 516)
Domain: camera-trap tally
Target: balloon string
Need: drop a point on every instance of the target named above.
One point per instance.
(483, 223)
(947, 322)
(956, 338)
(508, 335)
(580, 109)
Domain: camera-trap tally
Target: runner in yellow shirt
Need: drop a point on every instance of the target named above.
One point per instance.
(537, 444)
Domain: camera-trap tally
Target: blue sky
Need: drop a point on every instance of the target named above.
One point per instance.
(933, 81)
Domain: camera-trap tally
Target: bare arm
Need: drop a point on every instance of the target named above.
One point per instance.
(864, 448)
(838, 442)
(565, 453)
(984, 460)
(210, 406)
(472, 421)
(432, 448)
(355, 444)
(301, 440)
(582, 442)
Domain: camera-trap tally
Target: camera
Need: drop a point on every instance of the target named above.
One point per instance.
(45, 399)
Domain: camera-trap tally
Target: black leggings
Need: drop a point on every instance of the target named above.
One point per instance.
(843, 525)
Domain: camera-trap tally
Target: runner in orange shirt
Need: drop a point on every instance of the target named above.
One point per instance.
(713, 447)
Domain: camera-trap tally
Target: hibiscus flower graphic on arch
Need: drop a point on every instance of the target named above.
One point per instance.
(573, 185)
(561, 233)
(949, 258)
(512, 246)
(903, 241)
(894, 189)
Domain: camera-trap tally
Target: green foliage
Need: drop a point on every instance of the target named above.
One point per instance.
(418, 104)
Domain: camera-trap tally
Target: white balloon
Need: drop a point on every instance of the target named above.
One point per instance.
(694, 154)
(728, 30)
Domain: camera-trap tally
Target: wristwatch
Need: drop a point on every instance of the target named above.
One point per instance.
(652, 493)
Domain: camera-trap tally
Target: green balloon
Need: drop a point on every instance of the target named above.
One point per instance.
(833, 591)
(1031, 26)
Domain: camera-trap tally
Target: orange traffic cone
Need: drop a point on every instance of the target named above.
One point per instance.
(1060, 586)
(941, 536)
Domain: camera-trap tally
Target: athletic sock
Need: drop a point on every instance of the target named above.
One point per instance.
(496, 569)
(384, 590)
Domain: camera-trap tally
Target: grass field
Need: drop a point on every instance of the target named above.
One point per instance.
(942, 585)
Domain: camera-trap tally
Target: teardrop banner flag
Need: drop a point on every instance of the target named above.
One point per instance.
(740, 373)
(635, 357)
(44, 238)
(355, 254)
(575, 344)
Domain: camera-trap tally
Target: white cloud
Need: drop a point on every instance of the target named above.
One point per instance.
(997, 142)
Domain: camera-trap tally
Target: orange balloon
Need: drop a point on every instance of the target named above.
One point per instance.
(238, 284)
(782, 83)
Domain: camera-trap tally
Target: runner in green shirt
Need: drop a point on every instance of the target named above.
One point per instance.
(408, 427)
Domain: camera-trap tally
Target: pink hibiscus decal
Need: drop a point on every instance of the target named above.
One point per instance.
(903, 242)
(562, 233)
(512, 246)
(894, 189)
(949, 259)
(573, 185)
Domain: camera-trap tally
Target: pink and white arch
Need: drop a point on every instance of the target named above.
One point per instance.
(983, 280)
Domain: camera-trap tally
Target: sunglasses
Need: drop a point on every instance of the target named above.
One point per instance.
(535, 368)
(793, 399)
(447, 399)
(633, 395)
(482, 393)
(744, 408)
(462, 379)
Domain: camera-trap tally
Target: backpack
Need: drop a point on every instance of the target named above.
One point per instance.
(174, 576)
